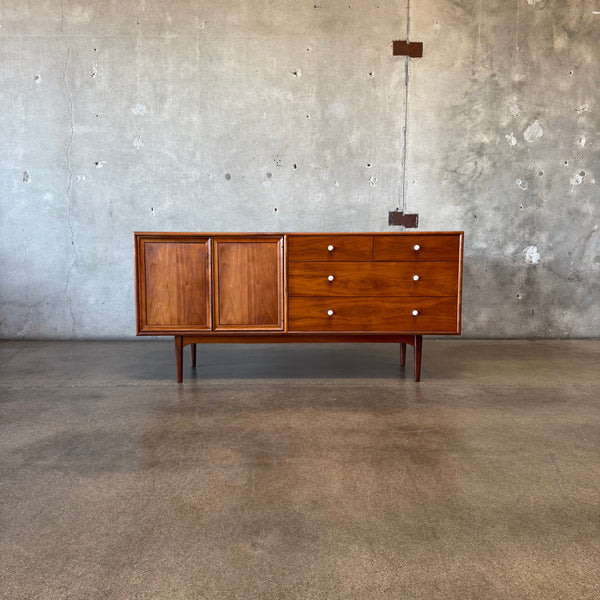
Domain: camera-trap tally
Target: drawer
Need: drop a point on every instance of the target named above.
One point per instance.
(372, 314)
(373, 279)
(415, 247)
(329, 247)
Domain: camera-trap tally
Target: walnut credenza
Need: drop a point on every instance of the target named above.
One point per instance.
(298, 287)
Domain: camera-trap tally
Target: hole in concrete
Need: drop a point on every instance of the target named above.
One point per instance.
(228, 176)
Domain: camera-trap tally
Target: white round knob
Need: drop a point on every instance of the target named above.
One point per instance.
(415, 313)
(416, 278)
(416, 247)
(330, 248)
(331, 278)
(330, 312)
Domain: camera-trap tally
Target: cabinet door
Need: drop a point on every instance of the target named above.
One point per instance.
(248, 276)
(174, 284)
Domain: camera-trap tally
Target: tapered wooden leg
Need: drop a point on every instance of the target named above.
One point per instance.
(402, 354)
(179, 357)
(193, 353)
(418, 347)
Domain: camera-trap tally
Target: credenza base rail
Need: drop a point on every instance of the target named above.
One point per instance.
(191, 340)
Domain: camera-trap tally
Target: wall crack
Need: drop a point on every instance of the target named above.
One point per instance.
(69, 187)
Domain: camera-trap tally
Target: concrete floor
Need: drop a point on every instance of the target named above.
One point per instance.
(309, 472)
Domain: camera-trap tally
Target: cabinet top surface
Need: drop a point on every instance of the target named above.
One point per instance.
(293, 233)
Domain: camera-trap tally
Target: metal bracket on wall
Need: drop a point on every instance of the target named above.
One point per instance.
(410, 49)
(398, 218)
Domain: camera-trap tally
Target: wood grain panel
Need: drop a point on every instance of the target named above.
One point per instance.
(373, 279)
(316, 247)
(248, 283)
(401, 247)
(436, 315)
(175, 287)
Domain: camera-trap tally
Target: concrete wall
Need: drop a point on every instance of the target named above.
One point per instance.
(289, 115)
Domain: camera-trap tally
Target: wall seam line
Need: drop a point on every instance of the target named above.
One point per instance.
(405, 133)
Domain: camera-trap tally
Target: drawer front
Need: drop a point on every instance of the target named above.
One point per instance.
(372, 314)
(415, 247)
(329, 247)
(373, 279)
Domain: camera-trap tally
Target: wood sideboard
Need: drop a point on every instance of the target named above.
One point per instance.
(298, 287)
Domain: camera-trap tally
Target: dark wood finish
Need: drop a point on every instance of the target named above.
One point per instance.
(173, 284)
(299, 337)
(316, 247)
(179, 357)
(232, 288)
(413, 340)
(248, 276)
(373, 279)
(460, 276)
(431, 248)
(435, 315)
